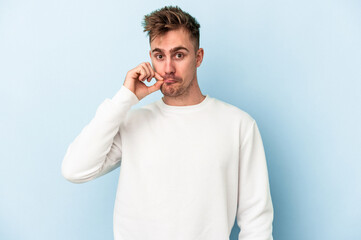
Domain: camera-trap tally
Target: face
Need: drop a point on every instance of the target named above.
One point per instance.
(174, 57)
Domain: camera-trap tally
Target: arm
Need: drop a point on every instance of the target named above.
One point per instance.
(255, 209)
(97, 149)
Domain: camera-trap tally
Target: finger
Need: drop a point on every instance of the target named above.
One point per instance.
(147, 73)
(158, 76)
(151, 71)
(155, 87)
(145, 65)
(142, 73)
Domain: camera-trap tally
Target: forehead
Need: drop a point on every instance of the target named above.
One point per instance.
(171, 39)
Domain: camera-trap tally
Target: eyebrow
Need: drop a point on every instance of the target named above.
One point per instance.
(172, 50)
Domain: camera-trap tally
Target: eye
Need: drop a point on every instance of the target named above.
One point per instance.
(179, 55)
(159, 57)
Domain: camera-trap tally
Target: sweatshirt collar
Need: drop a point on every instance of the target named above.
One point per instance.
(163, 106)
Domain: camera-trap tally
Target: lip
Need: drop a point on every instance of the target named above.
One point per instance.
(169, 81)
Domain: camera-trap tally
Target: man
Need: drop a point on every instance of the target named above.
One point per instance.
(190, 164)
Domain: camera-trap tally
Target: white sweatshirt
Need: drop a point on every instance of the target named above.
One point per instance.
(186, 171)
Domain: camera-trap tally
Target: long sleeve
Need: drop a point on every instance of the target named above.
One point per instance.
(255, 209)
(97, 149)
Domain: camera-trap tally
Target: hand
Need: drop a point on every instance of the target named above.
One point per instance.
(135, 78)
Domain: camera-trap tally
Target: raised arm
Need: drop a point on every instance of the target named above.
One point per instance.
(255, 209)
(97, 149)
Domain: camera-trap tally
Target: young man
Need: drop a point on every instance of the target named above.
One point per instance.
(190, 164)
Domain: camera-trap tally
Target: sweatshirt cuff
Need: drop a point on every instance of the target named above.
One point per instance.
(125, 95)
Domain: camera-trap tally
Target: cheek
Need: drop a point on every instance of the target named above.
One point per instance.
(186, 67)
(189, 68)
(156, 67)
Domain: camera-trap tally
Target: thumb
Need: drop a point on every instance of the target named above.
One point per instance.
(156, 86)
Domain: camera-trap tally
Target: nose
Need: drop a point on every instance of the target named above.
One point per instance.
(169, 67)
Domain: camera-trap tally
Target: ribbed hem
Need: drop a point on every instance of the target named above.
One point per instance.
(183, 109)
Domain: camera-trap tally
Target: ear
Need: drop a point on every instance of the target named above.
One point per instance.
(199, 56)
(150, 53)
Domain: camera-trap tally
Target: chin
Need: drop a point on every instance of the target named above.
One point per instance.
(171, 91)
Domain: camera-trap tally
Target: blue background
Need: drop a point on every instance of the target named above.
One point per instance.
(295, 66)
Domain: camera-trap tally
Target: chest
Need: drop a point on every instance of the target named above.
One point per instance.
(179, 142)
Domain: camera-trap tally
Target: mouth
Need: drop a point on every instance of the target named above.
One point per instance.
(169, 80)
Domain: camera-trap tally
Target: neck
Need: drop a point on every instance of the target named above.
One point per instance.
(192, 96)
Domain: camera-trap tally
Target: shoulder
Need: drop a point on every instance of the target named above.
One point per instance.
(143, 112)
(231, 111)
(242, 120)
